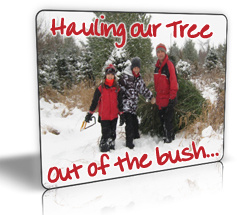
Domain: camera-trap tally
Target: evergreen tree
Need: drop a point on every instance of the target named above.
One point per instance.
(221, 52)
(141, 47)
(174, 53)
(212, 60)
(119, 60)
(100, 50)
(189, 52)
(57, 61)
(183, 69)
(85, 65)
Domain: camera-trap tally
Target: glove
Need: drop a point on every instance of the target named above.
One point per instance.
(122, 120)
(171, 103)
(88, 117)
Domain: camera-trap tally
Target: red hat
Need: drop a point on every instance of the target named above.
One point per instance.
(110, 69)
(161, 47)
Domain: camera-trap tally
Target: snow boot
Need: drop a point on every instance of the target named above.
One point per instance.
(130, 145)
(169, 138)
(104, 146)
(136, 136)
(173, 136)
(111, 144)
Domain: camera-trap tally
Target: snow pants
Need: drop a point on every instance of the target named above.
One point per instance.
(108, 130)
(167, 120)
(131, 128)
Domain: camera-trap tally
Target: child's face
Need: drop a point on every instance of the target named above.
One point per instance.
(136, 70)
(110, 76)
(161, 55)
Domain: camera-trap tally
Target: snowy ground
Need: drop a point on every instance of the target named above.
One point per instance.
(208, 92)
(62, 145)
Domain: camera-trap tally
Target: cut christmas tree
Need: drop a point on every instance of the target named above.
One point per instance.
(189, 107)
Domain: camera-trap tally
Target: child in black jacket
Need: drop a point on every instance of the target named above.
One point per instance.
(109, 100)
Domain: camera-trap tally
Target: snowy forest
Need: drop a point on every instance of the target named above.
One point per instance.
(69, 72)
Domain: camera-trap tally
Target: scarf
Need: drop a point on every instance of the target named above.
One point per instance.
(135, 75)
(109, 82)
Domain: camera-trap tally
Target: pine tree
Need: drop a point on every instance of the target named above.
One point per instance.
(189, 52)
(100, 50)
(212, 60)
(57, 61)
(221, 52)
(85, 65)
(183, 69)
(140, 47)
(174, 53)
(119, 60)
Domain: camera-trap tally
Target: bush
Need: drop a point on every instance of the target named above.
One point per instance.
(183, 69)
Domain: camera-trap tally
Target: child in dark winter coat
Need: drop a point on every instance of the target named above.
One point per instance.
(109, 99)
(132, 84)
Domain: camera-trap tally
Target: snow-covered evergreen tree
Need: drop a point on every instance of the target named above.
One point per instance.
(85, 64)
(212, 61)
(58, 62)
(183, 69)
(119, 60)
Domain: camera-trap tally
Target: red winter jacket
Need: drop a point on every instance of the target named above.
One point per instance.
(109, 100)
(166, 84)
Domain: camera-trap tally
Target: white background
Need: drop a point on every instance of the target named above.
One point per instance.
(20, 188)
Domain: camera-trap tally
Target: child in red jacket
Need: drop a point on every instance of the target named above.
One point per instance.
(166, 87)
(109, 99)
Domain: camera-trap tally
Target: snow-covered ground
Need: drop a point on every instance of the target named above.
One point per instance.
(62, 145)
(208, 92)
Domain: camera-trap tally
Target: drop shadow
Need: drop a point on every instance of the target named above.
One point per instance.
(24, 170)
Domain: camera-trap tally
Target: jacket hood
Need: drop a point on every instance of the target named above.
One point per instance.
(128, 70)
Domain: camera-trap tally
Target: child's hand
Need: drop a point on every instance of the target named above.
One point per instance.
(153, 100)
(122, 120)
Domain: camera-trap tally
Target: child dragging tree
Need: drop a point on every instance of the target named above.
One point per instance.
(132, 85)
(109, 99)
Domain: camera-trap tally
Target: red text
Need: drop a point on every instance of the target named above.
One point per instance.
(130, 163)
(137, 29)
(184, 155)
(96, 29)
(190, 30)
(58, 173)
(93, 168)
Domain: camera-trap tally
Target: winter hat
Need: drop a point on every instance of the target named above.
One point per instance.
(110, 69)
(161, 47)
(136, 62)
